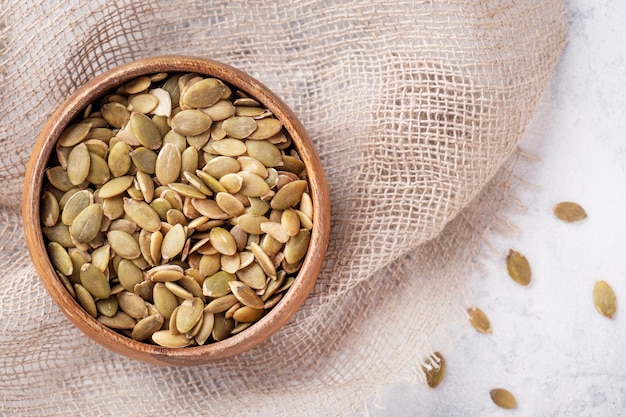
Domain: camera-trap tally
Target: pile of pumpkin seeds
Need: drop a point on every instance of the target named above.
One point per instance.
(176, 210)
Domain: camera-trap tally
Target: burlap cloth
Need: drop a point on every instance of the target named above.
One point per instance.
(414, 106)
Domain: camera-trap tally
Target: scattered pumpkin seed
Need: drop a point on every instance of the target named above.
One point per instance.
(518, 267)
(479, 320)
(503, 398)
(569, 212)
(604, 299)
(435, 370)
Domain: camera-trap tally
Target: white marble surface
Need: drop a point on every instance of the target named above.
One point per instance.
(549, 346)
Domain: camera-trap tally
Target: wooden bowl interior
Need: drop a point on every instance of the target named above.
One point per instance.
(112, 340)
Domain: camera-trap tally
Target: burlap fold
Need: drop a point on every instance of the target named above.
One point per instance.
(414, 107)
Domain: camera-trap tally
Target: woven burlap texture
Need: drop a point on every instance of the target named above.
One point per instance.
(414, 107)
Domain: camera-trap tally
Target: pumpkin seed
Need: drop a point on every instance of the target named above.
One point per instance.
(222, 326)
(222, 165)
(604, 299)
(119, 160)
(146, 327)
(60, 258)
(266, 128)
(143, 103)
(107, 307)
(164, 300)
(98, 170)
(115, 114)
(217, 285)
(129, 274)
(569, 212)
(144, 159)
(265, 152)
(123, 244)
(86, 225)
(74, 134)
(253, 276)
(247, 314)
(168, 164)
(78, 163)
(518, 267)
(239, 127)
(189, 313)
(245, 294)
(75, 204)
(132, 304)
(503, 398)
(204, 93)
(59, 179)
(289, 195)
(204, 332)
(85, 300)
(221, 304)
(116, 186)
(166, 339)
(221, 110)
(479, 320)
(435, 370)
(191, 122)
(142, 214)
(173, 242)
(94, 281)
(49, 210)
(164, 106)
(137, 85)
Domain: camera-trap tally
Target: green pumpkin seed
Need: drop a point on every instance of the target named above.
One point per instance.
(292, 164)
(75, 204)
(74, 134)
(137, 85)
(604, 299)
(85, 300)
(253, 276)
(166, 339)
(290, 222)
(223, 241)
(144, 159)
(146, 327)
(119, 160)
(132, 304)
(245, 294)
(266, 128)
(116, 186)
(248, 314)
(204, 93)
(289, 195)
(129, 274)
(123, 244)
(253, 185)
(107, 307)
(265, 152)
(164, 300)
(59, 179)
(222, 327)
(229, 204)
(191, 122)
(222, 165)
(143, 214)
(518, 267)
(221, 304)
(95, 281)
(197, 183)
(210, 181)
(120, 321)
(221, 110)
(98, 170)
(275, 230)
(297, 246)
(204, 332)
(145, 131)
(239, 127)
(436, 371)
(168, 164)
(209, 208)
(143, 103)
(503, 398)
(60, 258)
(49, 209)
(115, 114)
(216, 285)
(100, 257)
(78, 163)
(251, 224)
(173, 242)
(187, 190)
(86, 225)
(264, 261)
(189, 313)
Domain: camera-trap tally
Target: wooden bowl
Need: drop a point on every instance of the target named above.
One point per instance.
(255, 334)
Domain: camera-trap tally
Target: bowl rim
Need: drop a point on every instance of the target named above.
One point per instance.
(33, 183)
